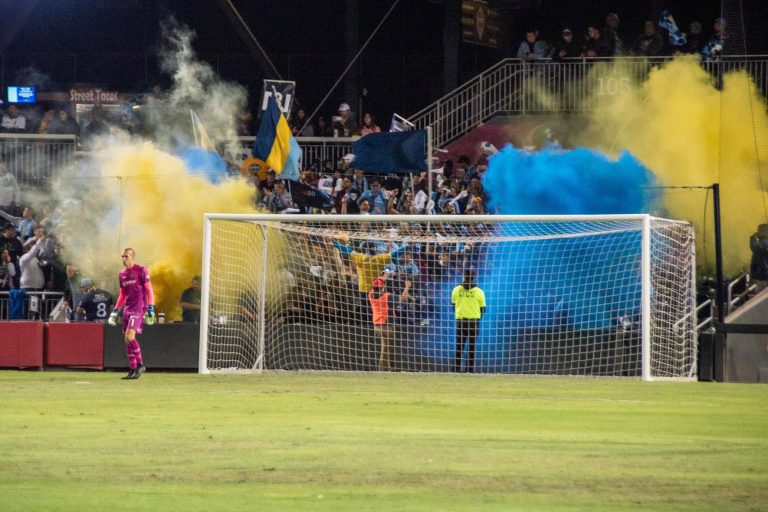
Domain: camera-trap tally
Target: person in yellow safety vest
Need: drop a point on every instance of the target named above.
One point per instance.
(469, 307)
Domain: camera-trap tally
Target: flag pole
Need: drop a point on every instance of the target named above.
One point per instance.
(194, 127)
(429, 164)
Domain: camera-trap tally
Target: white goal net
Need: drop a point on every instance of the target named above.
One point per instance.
(563, 295)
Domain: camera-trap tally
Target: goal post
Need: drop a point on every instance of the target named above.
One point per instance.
(597, 295)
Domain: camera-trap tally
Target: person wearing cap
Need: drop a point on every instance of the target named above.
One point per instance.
(25, 224)
(95, 304)
(9, 242)
(382, 314)
(469, 307)
(344, 125)
(566, 47)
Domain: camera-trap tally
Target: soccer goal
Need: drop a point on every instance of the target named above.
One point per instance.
(564, 295)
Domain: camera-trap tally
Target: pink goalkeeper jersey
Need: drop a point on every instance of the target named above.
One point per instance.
(132, 285)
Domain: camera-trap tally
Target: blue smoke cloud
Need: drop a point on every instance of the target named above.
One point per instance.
(550, 285)
(555, 181)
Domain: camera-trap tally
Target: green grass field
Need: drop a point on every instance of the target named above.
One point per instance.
(78, 441)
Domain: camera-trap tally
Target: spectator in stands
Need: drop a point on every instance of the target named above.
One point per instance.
(376, 197)
(45, 122)
(7, 271)
(72, 291)
(360, 182)
(346, 198)
(364, 206)
(190, 302)
(97, 125)
(649, 43)
(268, 183)
(25, 224)
(45, 248)
(281, 198)
(714, 47)
(64, 124)
(9, 242)
(298, 122)
(403, 280)
(322, 129)
(758, 243)
(9, 189)
(566, 48)
(369, 126)
(13, 121)
(464, 171)
(344, 124)
(611, 33)
(32, 276)
(694, 40)
(595, 45)
(532, 49)
(382, 316)
(94, 305)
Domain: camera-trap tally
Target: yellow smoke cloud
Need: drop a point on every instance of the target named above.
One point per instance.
(155, 206)
(690, 133)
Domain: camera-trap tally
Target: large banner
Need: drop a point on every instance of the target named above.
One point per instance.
(479, 23)
(283, 91)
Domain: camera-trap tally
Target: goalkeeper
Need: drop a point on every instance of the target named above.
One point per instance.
(136, 299)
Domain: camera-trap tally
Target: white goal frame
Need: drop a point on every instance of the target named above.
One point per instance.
(646, 269)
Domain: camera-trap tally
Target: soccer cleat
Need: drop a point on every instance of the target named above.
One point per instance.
(131, 375)
(139, 371)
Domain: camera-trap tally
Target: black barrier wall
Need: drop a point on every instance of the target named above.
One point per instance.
(163, 346)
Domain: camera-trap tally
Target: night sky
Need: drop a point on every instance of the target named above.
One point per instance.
(304, 30)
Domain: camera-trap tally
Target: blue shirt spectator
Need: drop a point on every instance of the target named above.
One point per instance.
(376, 198)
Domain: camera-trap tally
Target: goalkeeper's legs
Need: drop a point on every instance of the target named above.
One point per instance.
(133, 325)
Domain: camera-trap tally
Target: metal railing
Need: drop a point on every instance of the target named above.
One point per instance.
(513, 86)
(34, 159)
(37, 305)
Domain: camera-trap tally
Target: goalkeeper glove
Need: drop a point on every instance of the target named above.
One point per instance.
(149, 318)
(113, 317)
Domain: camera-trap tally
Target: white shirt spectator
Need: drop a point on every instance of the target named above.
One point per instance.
(9, 188)
(16, 123)
(31, 274)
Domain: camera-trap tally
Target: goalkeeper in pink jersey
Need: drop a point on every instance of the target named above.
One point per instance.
(137, 301)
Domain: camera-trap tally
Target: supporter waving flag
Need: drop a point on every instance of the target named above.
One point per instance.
(274, 143)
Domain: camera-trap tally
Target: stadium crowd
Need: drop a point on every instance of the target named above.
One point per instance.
(32, 259)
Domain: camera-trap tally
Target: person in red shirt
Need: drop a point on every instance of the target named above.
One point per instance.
(382, 312)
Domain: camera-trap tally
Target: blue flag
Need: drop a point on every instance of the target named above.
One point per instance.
(676, 37)
(391, 152)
